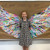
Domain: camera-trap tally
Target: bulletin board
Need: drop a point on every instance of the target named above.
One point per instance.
(30, 7)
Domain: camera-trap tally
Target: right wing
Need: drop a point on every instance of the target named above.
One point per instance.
(9, 22)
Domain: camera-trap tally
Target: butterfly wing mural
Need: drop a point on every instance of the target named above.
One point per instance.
(40, 22)
(9, 22)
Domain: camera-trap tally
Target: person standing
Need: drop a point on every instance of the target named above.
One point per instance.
(25, 36)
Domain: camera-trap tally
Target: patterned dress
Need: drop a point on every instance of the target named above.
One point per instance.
(25, 36)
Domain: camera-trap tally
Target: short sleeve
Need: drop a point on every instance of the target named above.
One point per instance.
(20, 23)
(29, 23)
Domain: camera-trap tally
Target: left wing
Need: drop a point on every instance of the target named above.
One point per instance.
(40, 22)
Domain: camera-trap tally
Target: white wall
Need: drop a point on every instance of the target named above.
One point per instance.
(14, 45)
(24, 0)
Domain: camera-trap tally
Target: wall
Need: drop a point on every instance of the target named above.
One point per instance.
(24, 0)
(36, 44)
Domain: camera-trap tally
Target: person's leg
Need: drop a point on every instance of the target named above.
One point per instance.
(26, 48)
(23, 47)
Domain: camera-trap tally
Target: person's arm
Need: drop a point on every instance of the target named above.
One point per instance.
(29, 25)
(20, 23)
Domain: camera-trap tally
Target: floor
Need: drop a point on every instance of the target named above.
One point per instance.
(13, 44)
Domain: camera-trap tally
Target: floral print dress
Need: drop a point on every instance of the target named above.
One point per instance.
(25, 36)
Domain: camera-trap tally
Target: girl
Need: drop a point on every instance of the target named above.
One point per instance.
(25, 36)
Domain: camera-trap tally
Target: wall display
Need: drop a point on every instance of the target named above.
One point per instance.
(40, 22)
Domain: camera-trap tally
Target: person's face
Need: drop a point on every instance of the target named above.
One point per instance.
(24, 14)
